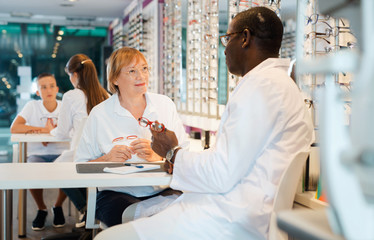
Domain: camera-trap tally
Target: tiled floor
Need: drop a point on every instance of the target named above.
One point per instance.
(49, 198)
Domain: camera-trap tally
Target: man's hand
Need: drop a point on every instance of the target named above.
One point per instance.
(163, 141)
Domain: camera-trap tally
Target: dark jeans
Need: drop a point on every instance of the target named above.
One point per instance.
(78, 196)
(110, 205)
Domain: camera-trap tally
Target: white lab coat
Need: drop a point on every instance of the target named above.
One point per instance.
(229, 189)
(73, 110)
(109, 120)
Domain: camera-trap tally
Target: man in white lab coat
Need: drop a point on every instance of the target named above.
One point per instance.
(229, 189)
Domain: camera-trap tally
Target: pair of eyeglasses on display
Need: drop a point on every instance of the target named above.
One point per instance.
(317, 35)
(155, 126)
(313, 18)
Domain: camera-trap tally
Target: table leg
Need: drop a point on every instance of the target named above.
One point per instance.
(22, 195)
(6, 228)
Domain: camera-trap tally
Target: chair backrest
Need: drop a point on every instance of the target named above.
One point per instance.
(285, 195)
(77, 135)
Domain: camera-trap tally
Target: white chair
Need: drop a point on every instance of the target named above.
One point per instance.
(285, 194)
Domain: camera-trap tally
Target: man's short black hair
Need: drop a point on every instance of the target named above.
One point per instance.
(42, 75)
(264, 24)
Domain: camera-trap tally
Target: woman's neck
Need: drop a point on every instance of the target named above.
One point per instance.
(134, 104)
(50, 105)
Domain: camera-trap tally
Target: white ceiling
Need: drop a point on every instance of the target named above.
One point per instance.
(80, 12)
(62, 12)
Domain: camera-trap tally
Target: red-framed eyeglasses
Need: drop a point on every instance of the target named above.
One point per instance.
(155, 126)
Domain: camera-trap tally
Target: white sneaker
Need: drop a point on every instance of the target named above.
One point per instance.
(82, 220)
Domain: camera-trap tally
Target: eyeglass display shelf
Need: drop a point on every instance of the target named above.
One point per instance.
(344, 60)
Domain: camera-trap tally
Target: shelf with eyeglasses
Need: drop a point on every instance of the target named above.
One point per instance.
(172, 51)
(140, 28)
(117, 36)
(236, 6)
(325, 43)
(150, 43)
(202, 69)
(288, 48)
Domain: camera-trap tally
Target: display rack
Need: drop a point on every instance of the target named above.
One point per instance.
(172, 51)
(324, 36)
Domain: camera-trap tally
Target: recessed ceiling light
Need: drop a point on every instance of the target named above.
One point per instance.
(59, 38)
(60, 32)
(66, 5)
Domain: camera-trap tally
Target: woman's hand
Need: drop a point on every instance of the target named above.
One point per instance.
(48, 126)
(142, 148)
(119, 153)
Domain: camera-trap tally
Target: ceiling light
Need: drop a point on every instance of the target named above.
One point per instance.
(66, 5)
(20, 55)
(60, 32)
(58, 38)
(53, 55)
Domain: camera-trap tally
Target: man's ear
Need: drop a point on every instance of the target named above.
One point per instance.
(37, 93)
(246, 37)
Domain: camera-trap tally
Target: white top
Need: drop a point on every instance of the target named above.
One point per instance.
(73, 110)
(36, 115)
(230, 188)
(109, 120)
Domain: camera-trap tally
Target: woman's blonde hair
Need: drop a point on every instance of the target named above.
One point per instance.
(120, 58)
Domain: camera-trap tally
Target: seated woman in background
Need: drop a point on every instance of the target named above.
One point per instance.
(76, 105)
(113, 124)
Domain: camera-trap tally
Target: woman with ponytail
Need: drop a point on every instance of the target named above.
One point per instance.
(75, 107)
(77, 103)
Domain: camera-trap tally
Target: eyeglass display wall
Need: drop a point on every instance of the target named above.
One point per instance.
(236, 6)
(139, 29)
(288, 47)
(172, 51)
(324, 36)
(202, 58)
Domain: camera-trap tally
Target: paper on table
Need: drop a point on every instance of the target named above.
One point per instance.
(131, 169)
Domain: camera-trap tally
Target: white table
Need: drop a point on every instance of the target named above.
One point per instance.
(22, 140)
(64, 175)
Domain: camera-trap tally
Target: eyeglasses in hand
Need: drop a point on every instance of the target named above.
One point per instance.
(155, 126)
